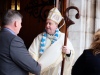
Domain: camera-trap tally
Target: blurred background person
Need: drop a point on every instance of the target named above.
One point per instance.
(89, 62)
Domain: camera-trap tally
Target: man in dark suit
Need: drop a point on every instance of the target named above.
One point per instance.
(14, 57)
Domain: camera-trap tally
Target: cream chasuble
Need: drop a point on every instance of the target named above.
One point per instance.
(52, 57)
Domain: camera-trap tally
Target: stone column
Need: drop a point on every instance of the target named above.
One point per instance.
(81, 32)
(90, 22)
(97, 19)
(77, 31)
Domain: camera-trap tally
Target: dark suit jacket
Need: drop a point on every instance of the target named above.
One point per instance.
(14, 57)
(87, 64)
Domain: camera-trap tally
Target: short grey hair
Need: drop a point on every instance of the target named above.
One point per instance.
(9, 16)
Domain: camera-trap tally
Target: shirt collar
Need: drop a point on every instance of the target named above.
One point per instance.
(10, 30)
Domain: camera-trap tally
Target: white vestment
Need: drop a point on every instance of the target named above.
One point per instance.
(51, 59)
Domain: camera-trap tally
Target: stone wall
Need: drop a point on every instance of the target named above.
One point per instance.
(80, 34)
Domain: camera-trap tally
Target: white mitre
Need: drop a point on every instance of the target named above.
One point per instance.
(55, 15)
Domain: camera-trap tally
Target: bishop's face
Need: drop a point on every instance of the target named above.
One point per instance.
(51, 26)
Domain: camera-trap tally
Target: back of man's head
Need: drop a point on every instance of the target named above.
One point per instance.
(10, 16)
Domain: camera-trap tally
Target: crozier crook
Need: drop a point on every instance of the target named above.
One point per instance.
(68, 22)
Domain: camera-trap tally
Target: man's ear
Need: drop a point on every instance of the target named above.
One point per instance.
(15, 24)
